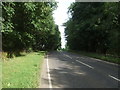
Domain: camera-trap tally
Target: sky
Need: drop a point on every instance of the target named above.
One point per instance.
(60, 16)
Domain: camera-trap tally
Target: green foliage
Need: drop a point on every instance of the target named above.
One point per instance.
(22, 71)
(94, 27)
(29, 25)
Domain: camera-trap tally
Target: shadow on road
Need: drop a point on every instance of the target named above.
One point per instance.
(67, 73)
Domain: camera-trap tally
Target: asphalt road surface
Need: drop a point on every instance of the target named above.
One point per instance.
(68, 70)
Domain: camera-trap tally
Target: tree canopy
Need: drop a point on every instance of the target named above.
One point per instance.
(94, 27)
(29, 25)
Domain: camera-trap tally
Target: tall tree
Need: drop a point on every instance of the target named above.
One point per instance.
(29, 25)
(93, 27)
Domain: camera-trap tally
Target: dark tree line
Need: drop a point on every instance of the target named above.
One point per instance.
(94, 27)
(29, 26)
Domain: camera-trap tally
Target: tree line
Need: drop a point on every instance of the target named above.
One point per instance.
(29, 26)
(94, 27)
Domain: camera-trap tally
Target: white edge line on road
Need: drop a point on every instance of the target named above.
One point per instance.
(103, 61)
(49, 78)
(114, 78)
(85, 64)
(99, 60)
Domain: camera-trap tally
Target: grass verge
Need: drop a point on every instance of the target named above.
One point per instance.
(0, 74)
(99, 56)
(22, 71)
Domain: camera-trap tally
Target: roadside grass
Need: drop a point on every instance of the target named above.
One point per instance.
(22, 71)
(0, 74)
(99, 56)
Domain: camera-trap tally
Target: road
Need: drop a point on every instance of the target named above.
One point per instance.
(68, 70)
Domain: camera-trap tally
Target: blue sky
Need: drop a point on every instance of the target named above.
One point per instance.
(60, 16)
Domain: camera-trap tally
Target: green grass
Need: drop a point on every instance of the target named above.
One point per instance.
(99, 56)
(22, 71)
(0, 74)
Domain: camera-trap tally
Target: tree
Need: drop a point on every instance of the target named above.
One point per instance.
(29, 25)
(93, 27)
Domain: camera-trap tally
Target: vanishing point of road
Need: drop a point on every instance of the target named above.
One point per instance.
(69, 70)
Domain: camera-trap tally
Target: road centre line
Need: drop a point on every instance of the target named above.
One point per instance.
(114, 78)
(68, 56)
(80, 62)
(48, 72)
(85, 64)
(93, 67)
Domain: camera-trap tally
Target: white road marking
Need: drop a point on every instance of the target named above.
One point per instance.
(103, 61)
(77, 57)
(114, 78)
(49, 78)
(79, 61)
(82, 57)
(98, 60)
(85, 64)
(68, 56)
